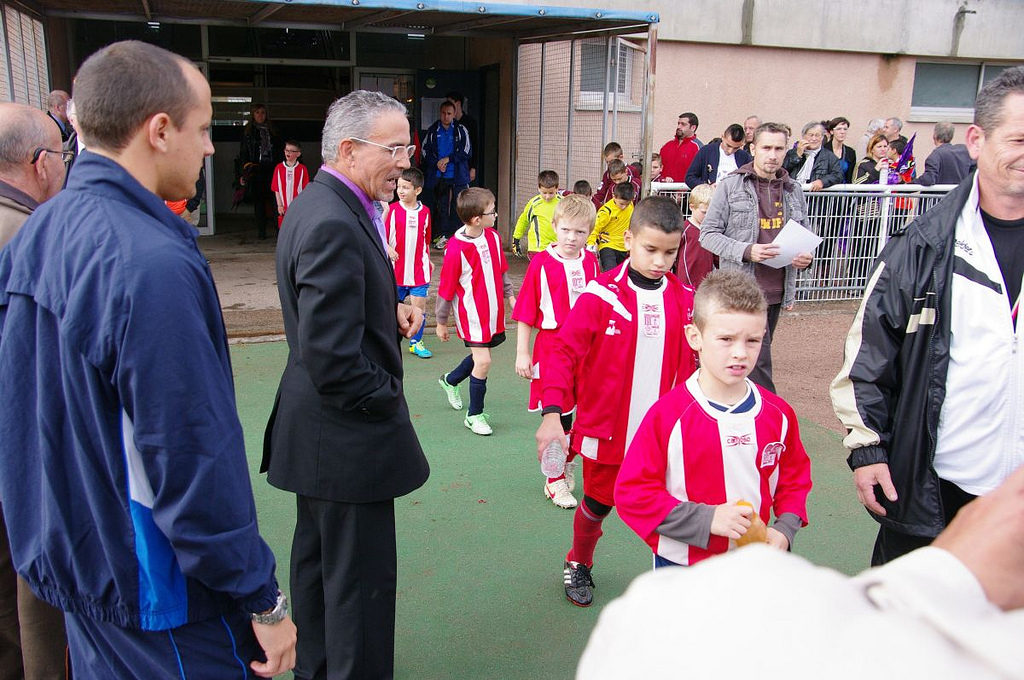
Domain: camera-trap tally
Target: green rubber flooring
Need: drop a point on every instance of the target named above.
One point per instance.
(481, 549)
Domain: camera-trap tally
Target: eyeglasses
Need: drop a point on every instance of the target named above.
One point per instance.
(65, 156)
(409, 151)
(493, 213)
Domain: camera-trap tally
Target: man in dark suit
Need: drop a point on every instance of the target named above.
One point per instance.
(948, 163)
(809, 162)
(715, 160)
(340, 436)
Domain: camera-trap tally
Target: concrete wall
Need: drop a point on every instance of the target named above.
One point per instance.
(920, 27)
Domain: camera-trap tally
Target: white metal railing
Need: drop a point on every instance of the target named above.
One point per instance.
(854, 221)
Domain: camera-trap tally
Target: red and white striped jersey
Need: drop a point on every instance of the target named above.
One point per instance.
(625, 346)
(288, 182)
(551, 286)
(409, 234)
(471, 277)
(687, 450)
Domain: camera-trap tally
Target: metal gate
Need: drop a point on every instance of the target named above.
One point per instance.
(573, 96)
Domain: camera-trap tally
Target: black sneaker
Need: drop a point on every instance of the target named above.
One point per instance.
(579, 585)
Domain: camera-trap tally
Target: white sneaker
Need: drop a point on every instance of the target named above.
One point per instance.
(478, 424)
(558, 492)
(570, 475)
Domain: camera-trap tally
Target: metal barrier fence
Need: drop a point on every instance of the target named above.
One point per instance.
(854, 221)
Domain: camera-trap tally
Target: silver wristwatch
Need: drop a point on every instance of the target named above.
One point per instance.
(275, 615)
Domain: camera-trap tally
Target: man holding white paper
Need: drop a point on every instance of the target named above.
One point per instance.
(747, 212)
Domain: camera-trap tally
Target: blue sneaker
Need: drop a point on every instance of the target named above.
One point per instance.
(420, 350)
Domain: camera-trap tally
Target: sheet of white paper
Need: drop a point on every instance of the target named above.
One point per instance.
(792, 240)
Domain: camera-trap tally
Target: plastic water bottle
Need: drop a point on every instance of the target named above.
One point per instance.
(552, 461)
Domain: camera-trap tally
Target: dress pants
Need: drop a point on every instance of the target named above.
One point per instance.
(762, 373)
(343, 582)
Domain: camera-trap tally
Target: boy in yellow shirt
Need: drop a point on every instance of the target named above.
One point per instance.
(535, 221)
(610, 228)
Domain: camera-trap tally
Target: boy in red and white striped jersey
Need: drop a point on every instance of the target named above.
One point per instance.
(554, 280)
(716, 440)
(408, 231)
(474, 282)
(620, 348)
(289, 179)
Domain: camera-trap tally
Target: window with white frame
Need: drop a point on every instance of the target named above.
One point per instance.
(946, 91)
(24, 59)
(596, 72)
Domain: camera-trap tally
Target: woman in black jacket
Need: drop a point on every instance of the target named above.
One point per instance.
(837, 130)
(260, 152)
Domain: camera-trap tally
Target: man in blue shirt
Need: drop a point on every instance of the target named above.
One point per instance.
(122, 465)
(446, 158)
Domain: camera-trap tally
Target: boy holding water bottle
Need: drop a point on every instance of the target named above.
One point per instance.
(619, 350)
(554, 281)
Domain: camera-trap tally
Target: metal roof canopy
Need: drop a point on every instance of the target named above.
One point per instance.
(431, 17)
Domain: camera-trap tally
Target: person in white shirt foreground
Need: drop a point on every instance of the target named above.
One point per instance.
(951, 610)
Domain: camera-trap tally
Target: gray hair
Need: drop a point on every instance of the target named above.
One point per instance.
(875, 124)
(988, 107)
(354, 115)
(896, 122)
(943, 132)
(810, 126)
(22, 129)
(56, 98)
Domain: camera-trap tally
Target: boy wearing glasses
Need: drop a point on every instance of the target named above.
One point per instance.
(474, 279)
(446, 155)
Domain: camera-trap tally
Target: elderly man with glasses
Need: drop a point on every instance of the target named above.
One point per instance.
(32, 640)
(340, 437)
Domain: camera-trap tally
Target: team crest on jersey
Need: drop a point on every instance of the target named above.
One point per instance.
(652, 319)
(612, 328)
(579, 282)
(770, 454)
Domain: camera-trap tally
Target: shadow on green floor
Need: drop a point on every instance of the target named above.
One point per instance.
(481, 549)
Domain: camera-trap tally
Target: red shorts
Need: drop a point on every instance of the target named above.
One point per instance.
(599, 480)
(541, 350)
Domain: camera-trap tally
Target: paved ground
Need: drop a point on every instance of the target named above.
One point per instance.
(807, 350)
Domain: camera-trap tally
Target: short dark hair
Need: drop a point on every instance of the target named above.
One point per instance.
(583, 187)
(547, 179)
(446, 105)
(655, 157)
(612, 147)
(624, 191)
(771, 128)
(413, 176)
(727, 290)
(124, 84)
(838, 120)
(691, 118)
(455, 96)
(657, 212)
(295, 143)
(616, 167)
(988, 107)
(472, 202)
(735, 132)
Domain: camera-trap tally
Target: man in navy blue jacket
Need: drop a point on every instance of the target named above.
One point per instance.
(717, 159)
(447, 150)
(122, 464)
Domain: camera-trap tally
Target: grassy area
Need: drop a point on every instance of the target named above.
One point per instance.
(481, 549)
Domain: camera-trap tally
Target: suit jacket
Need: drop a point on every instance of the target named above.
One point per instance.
(704, 168)
(947, 164)
(340, 428)
(826, 166)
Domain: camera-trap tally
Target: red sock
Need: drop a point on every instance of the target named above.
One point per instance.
(586, 529)
(555, 479)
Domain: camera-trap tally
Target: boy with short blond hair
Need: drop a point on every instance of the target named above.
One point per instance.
(407, 222)
(716, 440)
(610, 227)
(535, 220)
(656, 167)
(620, 348)
(289, 179)
(694, 262)
(554, 281)
(473, 256)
